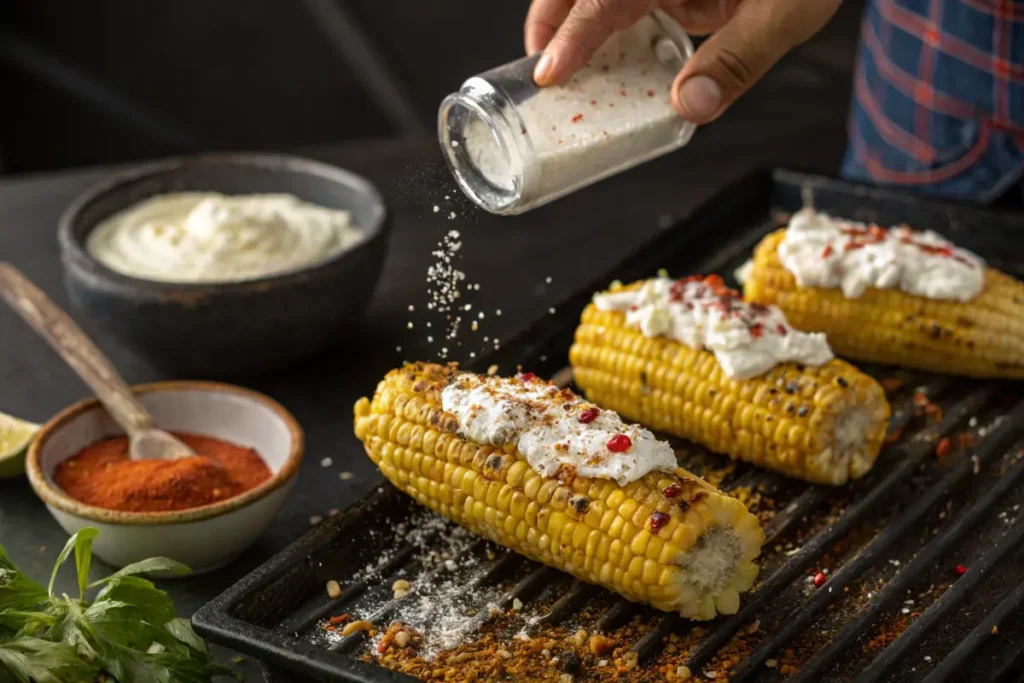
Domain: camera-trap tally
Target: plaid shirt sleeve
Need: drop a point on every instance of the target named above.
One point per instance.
(938, 102)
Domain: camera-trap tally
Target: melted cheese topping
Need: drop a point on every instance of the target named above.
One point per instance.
(832, 253)
(747, 339)
(554, 429)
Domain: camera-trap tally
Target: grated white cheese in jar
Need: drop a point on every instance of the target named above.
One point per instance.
(832, 253)
(211, 237)
(553, 428)
(747, 339)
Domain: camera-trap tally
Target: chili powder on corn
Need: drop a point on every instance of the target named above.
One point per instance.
(102, 475)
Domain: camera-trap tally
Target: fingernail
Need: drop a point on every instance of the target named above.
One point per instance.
(701, 97)
(543, 68)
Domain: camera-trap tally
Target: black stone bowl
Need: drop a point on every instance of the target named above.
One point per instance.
(217, 330)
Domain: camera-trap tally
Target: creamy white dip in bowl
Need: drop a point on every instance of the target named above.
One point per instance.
(225, 265)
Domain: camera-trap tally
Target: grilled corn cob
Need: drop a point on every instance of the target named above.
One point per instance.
(823, 424)
(981, 337)
(667, 538)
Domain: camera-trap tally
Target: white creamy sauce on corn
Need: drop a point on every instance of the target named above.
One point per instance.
(210, 237)
(747, 339)
(832, 253)
(553, 428)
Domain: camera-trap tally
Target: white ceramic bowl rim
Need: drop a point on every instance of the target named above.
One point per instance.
(54, 496)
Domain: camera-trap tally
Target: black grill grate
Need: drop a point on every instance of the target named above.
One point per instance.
(909, 493)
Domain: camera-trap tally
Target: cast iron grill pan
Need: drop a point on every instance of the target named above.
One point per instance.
(920, 558)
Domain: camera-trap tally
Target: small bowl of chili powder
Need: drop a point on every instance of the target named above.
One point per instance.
(203, 510)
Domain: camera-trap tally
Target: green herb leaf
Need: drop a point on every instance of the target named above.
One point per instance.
(182, 631)
(152, 603)
(17, 591)
(83, 536)
(153, 564)
(26, 623)
(75, 631)
(83, 558)
(33, 660)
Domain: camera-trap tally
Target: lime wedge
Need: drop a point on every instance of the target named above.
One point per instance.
(15, 436)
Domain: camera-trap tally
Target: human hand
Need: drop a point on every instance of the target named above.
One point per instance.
(750, 36)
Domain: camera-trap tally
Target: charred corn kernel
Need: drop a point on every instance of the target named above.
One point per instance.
(823, 424)
(976, 338)
(696, 564)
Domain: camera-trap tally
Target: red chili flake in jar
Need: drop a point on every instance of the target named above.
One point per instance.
(623, 92)
(589, 415)
(961, 570)
(592, 102)
(944, 447)
(672, 491)
(620, 443)
(827, 251)
(819, 580)
(756, 330)
(650, 93)
(577, 118)
(781, 329)
(658, 521)
(527, 376)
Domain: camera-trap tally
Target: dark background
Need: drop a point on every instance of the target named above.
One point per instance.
(121, 80)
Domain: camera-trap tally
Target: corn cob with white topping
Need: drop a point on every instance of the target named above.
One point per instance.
(663, 536)
(972, 324)
(823, 423)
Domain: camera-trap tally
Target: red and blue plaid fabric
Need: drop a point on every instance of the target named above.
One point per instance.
(938, 101)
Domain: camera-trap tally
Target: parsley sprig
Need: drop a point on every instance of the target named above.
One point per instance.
(127, 632)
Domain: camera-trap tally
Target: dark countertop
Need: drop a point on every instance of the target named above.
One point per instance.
(572, 241)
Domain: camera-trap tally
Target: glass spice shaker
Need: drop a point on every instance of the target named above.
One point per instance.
(513, 146)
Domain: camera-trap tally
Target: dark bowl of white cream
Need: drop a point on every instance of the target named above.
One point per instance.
(225, 265)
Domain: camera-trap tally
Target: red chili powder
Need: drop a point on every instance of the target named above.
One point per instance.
(104, 476)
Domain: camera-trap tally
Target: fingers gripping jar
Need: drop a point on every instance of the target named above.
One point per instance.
(513, 146)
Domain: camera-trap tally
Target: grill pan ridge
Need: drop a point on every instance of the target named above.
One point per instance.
(921, 552)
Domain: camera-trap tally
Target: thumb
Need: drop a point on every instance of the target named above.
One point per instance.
(728, 63)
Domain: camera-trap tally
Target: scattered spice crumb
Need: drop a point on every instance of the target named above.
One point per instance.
(315, 519)
(333, 590)
(326, 462)
(345, 476)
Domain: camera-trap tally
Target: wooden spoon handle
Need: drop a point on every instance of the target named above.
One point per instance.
(68, 340)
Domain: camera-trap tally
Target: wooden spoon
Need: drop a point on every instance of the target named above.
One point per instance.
(145, 440)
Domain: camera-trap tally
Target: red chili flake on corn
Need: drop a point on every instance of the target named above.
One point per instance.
(781, 329)
(756, 330)
(827, 251)
(620, 443)
(672, 491)
(944, 447)
(527, 376)
(658, 521)
(589, 415)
